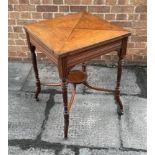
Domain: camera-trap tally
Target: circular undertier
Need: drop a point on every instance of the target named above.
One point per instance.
(76, 77)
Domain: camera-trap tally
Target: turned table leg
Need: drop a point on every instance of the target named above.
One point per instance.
(121, 55)
(84, 67)
(34, 62)
(117, 90)
(66, 113)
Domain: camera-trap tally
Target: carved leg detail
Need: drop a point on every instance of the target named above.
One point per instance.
(117, 90)
(66, 113)
(34, 62)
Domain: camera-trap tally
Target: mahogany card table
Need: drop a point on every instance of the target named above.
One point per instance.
(74, 39)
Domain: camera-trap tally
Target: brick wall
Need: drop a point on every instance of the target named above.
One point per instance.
(130, 14)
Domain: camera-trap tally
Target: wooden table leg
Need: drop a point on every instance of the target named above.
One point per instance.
(117, 90)
(66, 113)
(34, 62)
(121, 55)
(84, 67)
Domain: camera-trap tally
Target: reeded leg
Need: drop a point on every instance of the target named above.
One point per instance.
(117, 90)
(66, 113)
(34, 62)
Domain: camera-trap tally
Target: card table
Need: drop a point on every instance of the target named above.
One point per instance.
(74, 39)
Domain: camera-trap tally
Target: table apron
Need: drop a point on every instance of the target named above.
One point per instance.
(92, 53)
(44, 49)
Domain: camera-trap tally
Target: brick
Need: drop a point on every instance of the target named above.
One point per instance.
(106, 57)
(24, 8)
(12, 35)
(141, 31)
(133, 31)
(35, 1)
(98, 1)
(63, 8)
(111, 2)
(11, 22)
(29, 54)
(19, 42)
(131, 45)
(72, 2)
(18, 29)
(139, 24)
(21, 36)
(24, 49)
(138, 38)
(47, 15)
(138, 58)
(143, 17)
(122, 9)
(133, 17)
(145, 59)
(123, 2)
(78, 8)
(10, 7)
(99, 9)
(99, 15)
(24, 21)
(128, 58)
(36, 15)
(121, 17)
(25, 15)
(141, 8)
(47, 8)
(23, 1)
(10, 29)
(12, 54)
(26, 44)
(13, 2)
(140, 45)
(11, 42)
(110, 16)
(41, 55)
(123, 24)
(57, 1)
(14, 15)
(143, 51)
(47, 1)
(138, 2)
(88, 2)
(14, 59)
(58, 14)
(13, 48)
(21, 54)
(114, 59)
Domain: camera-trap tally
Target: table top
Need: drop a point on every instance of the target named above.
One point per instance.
(68, 33)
